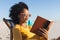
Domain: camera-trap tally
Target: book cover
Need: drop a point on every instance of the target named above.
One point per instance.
(40, 23)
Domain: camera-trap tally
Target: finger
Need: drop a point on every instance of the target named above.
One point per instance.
(41, 33)
(46, 36)
(44, 31)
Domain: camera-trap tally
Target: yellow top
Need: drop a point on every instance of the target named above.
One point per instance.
(21, 33)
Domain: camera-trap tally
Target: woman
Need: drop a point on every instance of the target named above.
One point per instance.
(19, 13)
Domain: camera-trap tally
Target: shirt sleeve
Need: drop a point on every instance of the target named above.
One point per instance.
(17, 34)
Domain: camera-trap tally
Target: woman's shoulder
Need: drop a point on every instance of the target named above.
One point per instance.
(16, 26)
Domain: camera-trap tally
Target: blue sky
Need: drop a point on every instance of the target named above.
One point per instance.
(49, 9)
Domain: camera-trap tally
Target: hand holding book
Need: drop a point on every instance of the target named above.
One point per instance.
(44, 32)
(41, 26)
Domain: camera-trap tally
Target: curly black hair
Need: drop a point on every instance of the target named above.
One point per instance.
(16, 10)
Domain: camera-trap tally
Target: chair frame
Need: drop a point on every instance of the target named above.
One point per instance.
(9, 26)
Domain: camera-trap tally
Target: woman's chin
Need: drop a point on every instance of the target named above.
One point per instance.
(25, 21)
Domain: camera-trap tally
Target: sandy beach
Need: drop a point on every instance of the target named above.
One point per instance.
(54, 31)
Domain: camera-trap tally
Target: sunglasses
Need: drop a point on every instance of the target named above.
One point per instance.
(23, 14)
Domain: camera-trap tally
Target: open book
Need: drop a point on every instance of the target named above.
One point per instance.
(40, 23)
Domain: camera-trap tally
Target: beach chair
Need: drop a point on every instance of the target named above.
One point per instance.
(10, 25)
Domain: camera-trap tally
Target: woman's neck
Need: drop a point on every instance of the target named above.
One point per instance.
(23, 24)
